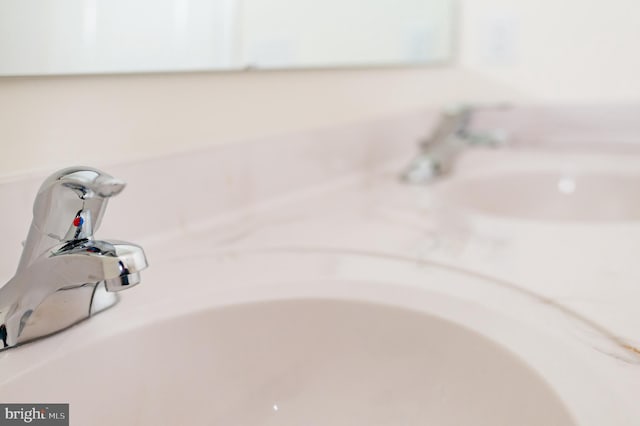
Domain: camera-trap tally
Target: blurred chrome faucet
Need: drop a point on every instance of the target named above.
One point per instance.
(65, 275)
(439, 151)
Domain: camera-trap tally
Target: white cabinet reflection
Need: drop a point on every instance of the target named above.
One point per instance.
(112, 36)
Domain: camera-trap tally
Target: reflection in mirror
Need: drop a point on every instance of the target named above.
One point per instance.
(122, 36)
(345, 32)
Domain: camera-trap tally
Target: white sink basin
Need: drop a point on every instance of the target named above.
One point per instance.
(295, 362)
(549, 195)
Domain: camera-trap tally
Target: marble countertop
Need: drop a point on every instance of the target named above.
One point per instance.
(338, 222)
(574, 282)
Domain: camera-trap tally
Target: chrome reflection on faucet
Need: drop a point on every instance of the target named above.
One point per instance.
(452, 134)
(65, 275)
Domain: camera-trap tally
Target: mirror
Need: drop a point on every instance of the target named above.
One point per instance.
(125, 36)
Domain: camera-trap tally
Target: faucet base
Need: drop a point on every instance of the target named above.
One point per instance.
(64, 309)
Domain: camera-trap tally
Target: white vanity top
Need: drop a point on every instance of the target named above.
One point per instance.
(561, 295)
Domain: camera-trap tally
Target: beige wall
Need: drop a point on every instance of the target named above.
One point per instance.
(583, 51)
(556, 51)
(52, 122)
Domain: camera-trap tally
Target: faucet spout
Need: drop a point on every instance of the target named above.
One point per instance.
(451, 135)
(97, 261)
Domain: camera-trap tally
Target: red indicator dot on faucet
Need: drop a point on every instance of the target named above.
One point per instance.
(78, 221)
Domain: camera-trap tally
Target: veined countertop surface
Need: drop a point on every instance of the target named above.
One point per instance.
(562, 296)
(589, 268)
(576, 282)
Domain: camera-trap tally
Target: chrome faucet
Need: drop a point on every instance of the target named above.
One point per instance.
(65, 275)
(439, 151)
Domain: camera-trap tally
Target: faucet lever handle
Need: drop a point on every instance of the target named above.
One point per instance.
(82, 213)
(70, 203)
(69, 207)
(86, 182)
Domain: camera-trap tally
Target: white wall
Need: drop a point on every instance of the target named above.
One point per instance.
(556, 50)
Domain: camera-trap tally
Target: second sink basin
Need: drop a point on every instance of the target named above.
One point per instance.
(548, 195)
